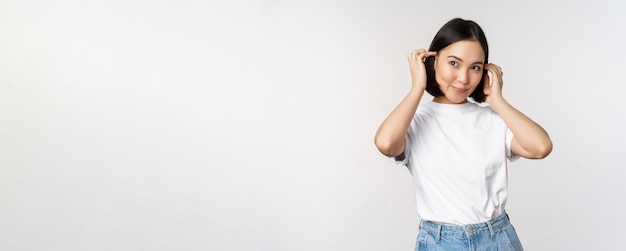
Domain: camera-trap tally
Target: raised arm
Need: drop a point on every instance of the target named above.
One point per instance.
(389, 138)
(530, 140)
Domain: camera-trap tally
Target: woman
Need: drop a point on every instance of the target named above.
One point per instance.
(456, 150)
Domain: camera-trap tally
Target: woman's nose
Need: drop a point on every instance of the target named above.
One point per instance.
(462, 77)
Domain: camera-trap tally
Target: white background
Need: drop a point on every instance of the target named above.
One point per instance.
(249, 125)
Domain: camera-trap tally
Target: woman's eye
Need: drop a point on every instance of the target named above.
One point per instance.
(454, 63)
(476, 68)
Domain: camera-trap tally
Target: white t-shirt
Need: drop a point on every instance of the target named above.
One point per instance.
(457, 155)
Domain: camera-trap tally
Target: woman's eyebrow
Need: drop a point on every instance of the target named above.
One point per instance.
(457, 58)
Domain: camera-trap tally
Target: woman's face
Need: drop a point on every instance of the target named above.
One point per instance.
(458, 70)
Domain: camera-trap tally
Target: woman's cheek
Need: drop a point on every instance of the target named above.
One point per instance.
(448, 76)
(477, 78)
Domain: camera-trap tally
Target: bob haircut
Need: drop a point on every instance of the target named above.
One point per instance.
(453, 31)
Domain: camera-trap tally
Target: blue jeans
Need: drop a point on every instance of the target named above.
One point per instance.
(496, 234)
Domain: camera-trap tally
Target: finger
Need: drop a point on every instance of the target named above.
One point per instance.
(415, 53)
(494, 69)
(497, 69)
(418, 55)
(429, 54)
(412, 56)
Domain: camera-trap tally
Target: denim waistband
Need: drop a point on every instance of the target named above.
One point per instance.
(467, 231)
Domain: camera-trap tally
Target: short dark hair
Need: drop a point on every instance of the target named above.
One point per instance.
(453, 31)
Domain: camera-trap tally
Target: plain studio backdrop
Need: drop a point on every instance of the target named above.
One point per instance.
(249, 125)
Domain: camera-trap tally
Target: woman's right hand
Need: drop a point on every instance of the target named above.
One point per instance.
(417, 67)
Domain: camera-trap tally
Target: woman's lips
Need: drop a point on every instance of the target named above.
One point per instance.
(459, 90)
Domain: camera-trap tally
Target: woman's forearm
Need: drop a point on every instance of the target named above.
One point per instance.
(389, 138)
(530, 139)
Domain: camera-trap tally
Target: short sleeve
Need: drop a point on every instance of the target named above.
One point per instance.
(509, 138)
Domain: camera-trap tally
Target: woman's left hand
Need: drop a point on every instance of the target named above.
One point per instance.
(493, 88)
